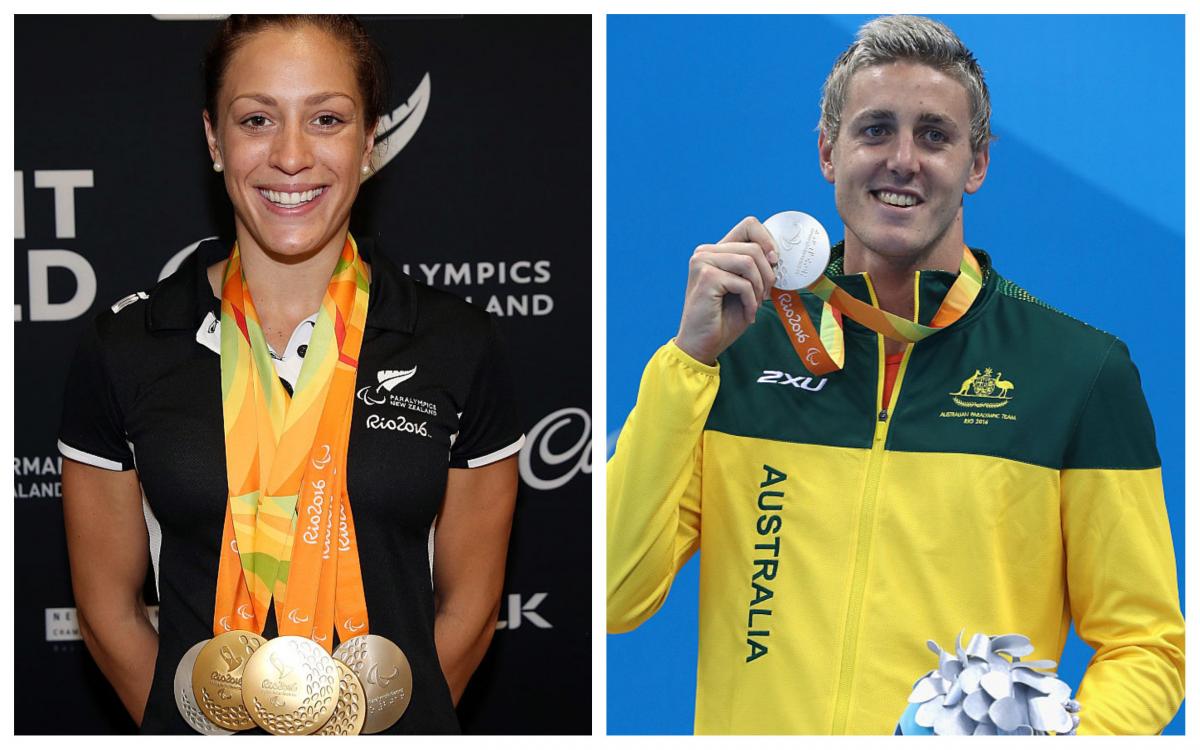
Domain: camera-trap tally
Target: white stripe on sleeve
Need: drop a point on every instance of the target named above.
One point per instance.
(494, 456)
(87, 458)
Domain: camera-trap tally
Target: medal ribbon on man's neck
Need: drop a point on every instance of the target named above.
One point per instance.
(825, 352)
(289, 535)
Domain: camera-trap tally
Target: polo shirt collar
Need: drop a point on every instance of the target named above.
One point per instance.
(393, 303)
(183, 300)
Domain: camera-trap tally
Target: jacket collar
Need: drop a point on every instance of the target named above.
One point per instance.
(183, 300)
(933, 286)
(837, 261)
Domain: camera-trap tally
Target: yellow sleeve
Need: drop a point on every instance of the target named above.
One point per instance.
(654, 485)
(1124, 599)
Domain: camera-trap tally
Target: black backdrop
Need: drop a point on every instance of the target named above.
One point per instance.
(489, 197)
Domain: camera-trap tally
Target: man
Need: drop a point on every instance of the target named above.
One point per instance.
(999, 476)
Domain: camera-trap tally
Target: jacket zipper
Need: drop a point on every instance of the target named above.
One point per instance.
(866, 519)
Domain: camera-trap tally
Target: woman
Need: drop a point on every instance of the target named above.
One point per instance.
(292, 103)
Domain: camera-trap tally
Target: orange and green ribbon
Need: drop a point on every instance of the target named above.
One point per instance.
(289, 535)
(825, 352)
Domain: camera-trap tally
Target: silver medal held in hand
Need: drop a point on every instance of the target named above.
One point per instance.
(803, 247)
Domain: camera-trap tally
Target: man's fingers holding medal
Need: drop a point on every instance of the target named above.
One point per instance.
(719, 274)
(727, 282)
(750, 231)
(726, 285)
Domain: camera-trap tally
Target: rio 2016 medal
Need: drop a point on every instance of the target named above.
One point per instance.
(803, 247)
(290, 686)
(185, 701)
(217, 678)
(351, 710)
(386, 678)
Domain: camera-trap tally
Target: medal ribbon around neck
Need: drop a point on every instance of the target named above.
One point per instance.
(825, 352)
(289, 534)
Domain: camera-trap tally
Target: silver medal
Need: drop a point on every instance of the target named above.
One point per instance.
(185, 700)
(803, 248)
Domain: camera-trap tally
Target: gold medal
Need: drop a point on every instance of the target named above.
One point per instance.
(351, 710)
(386, 678)
(217, 678)
(290, 686)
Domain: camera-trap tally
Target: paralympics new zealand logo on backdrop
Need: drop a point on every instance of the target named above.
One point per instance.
(982, 394)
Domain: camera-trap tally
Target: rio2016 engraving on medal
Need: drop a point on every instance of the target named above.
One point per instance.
(351, 710)
(290, 686)
(217, 678)
(803, 247)
(185, 700)
(386, 678)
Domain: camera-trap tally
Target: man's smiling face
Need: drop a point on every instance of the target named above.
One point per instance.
(903, 159)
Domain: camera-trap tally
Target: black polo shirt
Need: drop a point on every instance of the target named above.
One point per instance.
(433, 392)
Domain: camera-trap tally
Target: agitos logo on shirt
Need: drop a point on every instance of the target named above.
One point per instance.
(377, 395)
(374, 395)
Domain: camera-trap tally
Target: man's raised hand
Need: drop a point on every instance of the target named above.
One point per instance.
(726, 284)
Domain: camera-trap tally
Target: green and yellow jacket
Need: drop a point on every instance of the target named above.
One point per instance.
(1011, 485)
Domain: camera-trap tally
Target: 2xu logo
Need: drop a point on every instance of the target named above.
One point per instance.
(527, 611)
(577, 458)
(796, 381)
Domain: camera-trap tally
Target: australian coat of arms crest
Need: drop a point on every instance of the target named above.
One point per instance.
(984, 390)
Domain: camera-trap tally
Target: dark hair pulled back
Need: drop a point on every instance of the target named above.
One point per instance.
(370, 69)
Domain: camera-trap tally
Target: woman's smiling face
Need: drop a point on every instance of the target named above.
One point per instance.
(291, 136)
